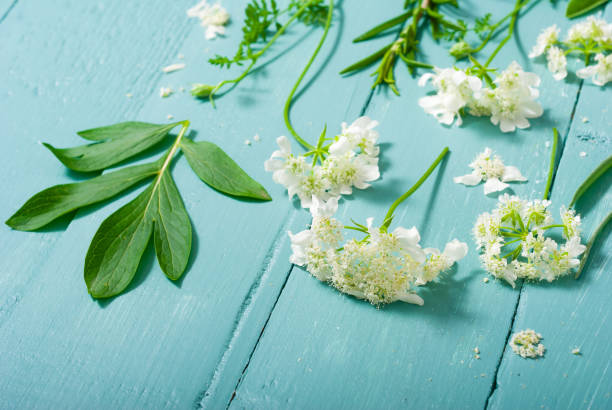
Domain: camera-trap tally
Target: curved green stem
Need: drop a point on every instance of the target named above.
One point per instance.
(551, 167)
(258, 54)
(299, 139)
(398, 201)
(515, 12)
(597, 232)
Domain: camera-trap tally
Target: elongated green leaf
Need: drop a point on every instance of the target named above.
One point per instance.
(383, 26)
(58, 200)
(367, 61)
(218, 170)
(589, 247)
(591, 179)
(172, 229)
(118, 245)
(103, 154)
(577, 8)
(122, 129)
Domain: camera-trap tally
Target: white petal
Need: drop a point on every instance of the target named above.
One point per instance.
(494, 185)
(424, 78)
(512, 173)
(407, 237)
(411, 298)
(469, 179)
(284, 144)
(341, 146)
(456, 250)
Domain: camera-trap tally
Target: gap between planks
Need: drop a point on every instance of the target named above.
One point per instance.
(8, 11)
(558, 158)
(362, 112)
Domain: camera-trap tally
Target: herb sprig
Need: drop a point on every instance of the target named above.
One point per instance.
(262, 21)
(417, 16)
(117, 247)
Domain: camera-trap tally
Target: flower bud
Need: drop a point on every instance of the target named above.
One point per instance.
(460, 49)
(202, 90)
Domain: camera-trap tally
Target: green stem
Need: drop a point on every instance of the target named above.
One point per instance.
(299, 139)
(398, 201)
(495, 27)
(515, 13)
(552, 226)
(587, 251)
(258, 54)
(551, 167)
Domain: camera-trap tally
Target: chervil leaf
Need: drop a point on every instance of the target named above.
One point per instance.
(577, 8)
(172, 229)
(58, 200)
(117, 247)
(218, 170)
(131, 140)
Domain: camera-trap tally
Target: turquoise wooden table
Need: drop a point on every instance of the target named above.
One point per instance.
(245, 328)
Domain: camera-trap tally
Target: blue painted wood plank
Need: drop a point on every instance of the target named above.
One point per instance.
(161, 345)
(571, 313)
(57, 68)
(326, 350)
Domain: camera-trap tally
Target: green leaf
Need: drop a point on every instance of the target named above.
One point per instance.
(118, 245)
(367, 61)
(58, 200)
(383, 27)
(218, 170)
(589, 247)
(122, 129)
(172, 229)
(591, 179)
(577, 8)
(132, 140)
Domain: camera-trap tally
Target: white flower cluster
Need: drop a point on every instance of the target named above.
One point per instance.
(585, 36)
(526, 344)
(509, 104)
(213, 18)
(382, 268)
(352, 161)
(518, 228)
(491, 169)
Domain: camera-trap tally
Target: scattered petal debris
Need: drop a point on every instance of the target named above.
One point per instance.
(485, 280)
(576, 351)
(165, 92)
(170, 116)
(526, 344)
(583, 154)
(247, 142)
(129, 95)
(257, 138)
(173, 67)
(585, 119)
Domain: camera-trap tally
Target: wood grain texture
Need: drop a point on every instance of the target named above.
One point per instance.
(242, 320)
(159, 345)
(571, 313)
(327, 350)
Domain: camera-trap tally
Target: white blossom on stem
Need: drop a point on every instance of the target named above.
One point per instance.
(454, 89)
(557, 63)
(601, 73)
(546, 38)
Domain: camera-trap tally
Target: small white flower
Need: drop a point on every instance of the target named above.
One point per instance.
(590, 30)
(513, 101)
(360, 134)
(491, 169)
(547, 38)
(342, 169)
(557, 63)
(213, 18)
(454, 89)
(601, 72)
(519, 227)
(526, 344)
